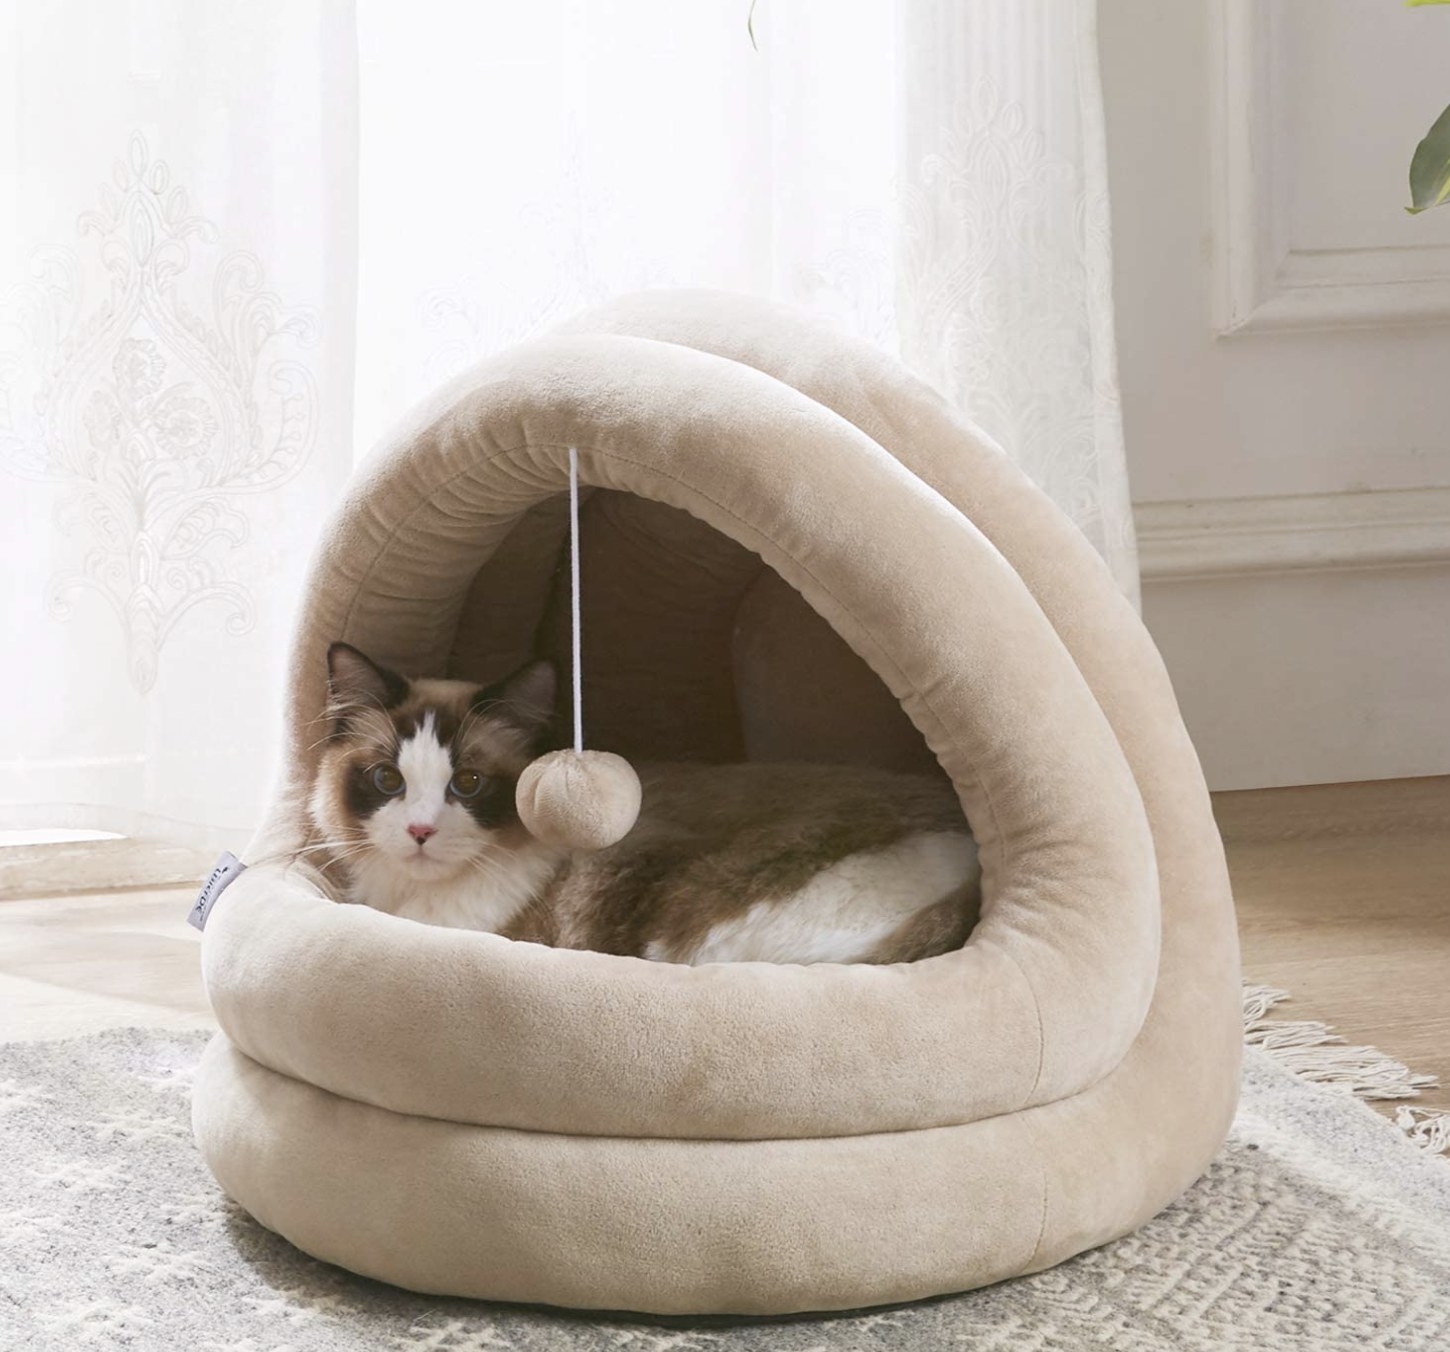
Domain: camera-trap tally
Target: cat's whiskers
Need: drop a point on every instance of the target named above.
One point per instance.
(328, 844)
(486, 868)
(491, 709)
(335, 852)
(343, 848)
(325, 738)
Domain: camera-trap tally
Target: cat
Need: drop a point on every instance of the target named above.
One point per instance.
(414, 807)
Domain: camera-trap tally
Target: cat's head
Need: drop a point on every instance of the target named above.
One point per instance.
(419, 775)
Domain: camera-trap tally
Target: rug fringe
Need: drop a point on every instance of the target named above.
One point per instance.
(1314, 1051)
(1428, 1128)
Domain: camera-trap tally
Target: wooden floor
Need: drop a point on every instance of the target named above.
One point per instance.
(1343, 894)
(76, 964)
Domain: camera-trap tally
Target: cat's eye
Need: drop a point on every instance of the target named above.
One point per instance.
(465, 783)
(388, 779)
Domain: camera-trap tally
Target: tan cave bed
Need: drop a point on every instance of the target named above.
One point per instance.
(792, 550)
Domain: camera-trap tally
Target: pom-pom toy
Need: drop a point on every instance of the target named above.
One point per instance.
(580, 800)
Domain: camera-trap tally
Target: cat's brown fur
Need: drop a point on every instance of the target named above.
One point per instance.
(715, 840)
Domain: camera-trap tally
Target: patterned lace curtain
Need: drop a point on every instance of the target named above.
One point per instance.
(237, 242)
(177, 211)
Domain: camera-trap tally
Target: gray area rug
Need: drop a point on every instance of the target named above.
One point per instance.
(1319, 1227)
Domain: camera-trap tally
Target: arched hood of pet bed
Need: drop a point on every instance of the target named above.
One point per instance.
(1003, 1106)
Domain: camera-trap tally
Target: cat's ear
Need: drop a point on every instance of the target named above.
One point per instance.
(353, 679)
(526, 699)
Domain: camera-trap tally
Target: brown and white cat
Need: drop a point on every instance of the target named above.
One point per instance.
(414, 804)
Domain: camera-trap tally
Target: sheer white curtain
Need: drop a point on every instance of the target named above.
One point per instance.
(236, 243)
(177, 210)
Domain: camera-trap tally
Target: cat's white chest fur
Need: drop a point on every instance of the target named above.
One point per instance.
(486, 897)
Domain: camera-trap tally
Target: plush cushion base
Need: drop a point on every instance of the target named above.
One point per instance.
(656, 1225)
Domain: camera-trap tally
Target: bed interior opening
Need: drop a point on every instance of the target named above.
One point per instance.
(693, 648)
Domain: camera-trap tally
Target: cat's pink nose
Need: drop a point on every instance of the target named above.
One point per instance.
(420, 833)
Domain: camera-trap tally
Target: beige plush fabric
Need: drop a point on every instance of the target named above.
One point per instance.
(457, 1113)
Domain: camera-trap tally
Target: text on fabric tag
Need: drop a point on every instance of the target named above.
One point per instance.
(227, 868)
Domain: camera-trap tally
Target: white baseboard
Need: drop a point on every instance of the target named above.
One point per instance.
(30, 871)
(1319, 531)
(1308, 637)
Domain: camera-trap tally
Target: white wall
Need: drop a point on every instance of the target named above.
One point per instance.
(1284, 346)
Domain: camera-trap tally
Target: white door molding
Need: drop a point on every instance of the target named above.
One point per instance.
(1264, 280)
(1185, 541)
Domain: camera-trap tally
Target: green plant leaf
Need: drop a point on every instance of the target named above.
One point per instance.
(1430, 169)
(750, 18)
(1415, 4)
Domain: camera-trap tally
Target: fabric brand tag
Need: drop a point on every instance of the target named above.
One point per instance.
(228, 867)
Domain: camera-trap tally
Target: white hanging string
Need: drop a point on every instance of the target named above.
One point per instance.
(574, 596)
